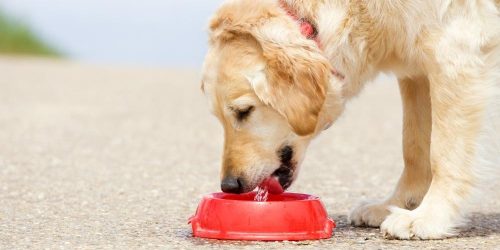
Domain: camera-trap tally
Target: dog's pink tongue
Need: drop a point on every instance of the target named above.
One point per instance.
(272, 185)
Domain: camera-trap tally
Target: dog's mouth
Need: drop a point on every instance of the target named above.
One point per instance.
(284, 174)
(278, 182)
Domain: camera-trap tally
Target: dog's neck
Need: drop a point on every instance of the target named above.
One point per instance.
(309, 30)
(343, 30)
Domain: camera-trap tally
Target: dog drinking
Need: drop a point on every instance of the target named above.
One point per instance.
(262, 193)
(269, 185)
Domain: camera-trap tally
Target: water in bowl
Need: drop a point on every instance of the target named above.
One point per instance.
(262, 194)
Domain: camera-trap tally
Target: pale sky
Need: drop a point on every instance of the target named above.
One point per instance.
(133, 32)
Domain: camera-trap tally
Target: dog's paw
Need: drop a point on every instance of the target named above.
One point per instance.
(405, 224)
(369, 214)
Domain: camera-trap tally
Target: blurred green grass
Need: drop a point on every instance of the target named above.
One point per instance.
(17, 38)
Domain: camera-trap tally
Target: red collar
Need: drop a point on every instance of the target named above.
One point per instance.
(308, 30)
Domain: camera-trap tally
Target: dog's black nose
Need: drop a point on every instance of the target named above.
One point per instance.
(231, 184)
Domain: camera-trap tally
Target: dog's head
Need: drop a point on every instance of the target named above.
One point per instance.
(267, 84)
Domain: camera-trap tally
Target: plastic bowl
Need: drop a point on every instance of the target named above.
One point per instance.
(287, 216)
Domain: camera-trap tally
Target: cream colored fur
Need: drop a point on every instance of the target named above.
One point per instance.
(446, 55)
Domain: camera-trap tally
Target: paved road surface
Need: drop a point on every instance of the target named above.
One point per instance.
(101, 157)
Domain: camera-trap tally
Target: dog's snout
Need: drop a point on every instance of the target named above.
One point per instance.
(232, 184)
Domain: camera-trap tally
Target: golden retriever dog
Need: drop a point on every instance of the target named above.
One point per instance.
(274, 89)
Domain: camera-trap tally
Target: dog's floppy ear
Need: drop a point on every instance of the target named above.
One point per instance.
(296, 74)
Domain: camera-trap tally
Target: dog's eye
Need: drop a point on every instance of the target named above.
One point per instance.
(242, 114)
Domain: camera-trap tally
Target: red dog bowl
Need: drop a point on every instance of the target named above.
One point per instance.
(287, 216)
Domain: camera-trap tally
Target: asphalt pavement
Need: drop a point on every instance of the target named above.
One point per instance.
(98, 157)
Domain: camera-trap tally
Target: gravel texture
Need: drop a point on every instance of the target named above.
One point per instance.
(103, 157)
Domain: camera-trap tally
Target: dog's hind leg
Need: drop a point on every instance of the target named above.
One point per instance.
(417, 123)
(416, 176)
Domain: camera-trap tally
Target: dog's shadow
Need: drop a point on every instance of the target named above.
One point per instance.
(480, 225)
(477, 225)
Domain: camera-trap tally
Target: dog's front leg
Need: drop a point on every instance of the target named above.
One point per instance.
(457, 110)
(416, 176)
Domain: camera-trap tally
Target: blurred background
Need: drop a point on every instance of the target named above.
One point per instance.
(127, 32)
